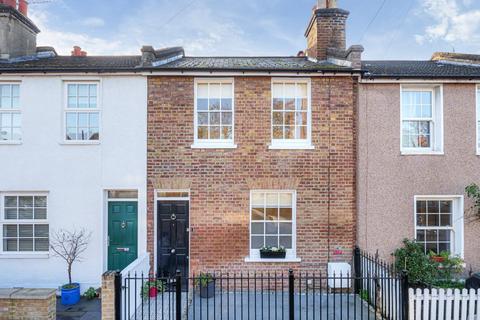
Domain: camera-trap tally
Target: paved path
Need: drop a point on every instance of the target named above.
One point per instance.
(84, 310)
(244, 305)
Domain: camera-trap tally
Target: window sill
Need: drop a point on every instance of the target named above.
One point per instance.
(259, 260)
(291, 147)
(11, 143)
(214, 146)
(80, 143)
(24, 256)
(421, 153)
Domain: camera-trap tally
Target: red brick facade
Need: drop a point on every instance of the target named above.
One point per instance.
(220, 180)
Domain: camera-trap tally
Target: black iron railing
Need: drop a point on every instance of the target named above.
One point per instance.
(374, 291)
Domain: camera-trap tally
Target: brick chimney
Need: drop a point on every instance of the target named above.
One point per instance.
(18, 34)
(326, 35)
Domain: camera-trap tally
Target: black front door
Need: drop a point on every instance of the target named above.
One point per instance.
(172, 238)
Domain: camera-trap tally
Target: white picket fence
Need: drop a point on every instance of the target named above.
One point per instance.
(444, 304)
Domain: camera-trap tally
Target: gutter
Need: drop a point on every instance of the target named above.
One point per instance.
(420, 79)
(214, 71)
(184, 71)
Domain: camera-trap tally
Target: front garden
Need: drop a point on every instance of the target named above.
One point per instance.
(429, 270)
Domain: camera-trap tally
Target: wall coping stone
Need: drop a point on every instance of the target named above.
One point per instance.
(26, 294)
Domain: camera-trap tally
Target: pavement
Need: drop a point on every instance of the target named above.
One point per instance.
(83, 310)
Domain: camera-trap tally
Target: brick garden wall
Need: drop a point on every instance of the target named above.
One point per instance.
(220, 180)
(27, 304)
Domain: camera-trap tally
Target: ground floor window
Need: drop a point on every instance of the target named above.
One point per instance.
(272, 216)
(24, 222)
(439, 224)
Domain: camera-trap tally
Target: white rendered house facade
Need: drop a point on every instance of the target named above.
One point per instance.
(67, 141)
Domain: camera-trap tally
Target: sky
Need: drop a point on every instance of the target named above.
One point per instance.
(388, 29)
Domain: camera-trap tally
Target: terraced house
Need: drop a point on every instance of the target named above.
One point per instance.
(247, 152)
(418, 151)
(72, 150)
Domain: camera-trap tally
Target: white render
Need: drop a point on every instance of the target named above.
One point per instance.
(75, 176)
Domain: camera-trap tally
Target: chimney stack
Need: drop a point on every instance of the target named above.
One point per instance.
(326, 35)
(18, 34)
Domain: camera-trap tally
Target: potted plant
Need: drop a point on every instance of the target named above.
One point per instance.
(69, 245)
(273, 253)
(206, 283)
(152, 288)
(437, 258)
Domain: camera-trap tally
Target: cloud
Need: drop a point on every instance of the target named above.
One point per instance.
(202, 27)
(93, 22)
(452, 22)
(63, 41)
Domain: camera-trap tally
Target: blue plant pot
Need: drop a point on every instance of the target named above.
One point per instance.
(71, 296)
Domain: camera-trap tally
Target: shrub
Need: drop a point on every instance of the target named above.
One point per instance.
(90, 294)
(473, 192)
(412, 258)
(425, 269)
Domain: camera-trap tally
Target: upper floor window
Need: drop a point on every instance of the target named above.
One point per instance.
(82, 113)
(422, 123)
(24, 223)
(214, 113)
(439, 224)
(10, 115)
(291, 114)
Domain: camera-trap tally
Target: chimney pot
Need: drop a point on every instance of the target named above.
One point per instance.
(10, 3)
(326, 4)
(23, 7)
(77, 52)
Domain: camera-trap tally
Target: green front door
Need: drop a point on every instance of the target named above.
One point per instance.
(122, 234)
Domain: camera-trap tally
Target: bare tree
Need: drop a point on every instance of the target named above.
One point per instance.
(69, 245)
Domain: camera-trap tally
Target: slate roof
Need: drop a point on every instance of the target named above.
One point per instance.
(73, 64)
(133, 63)
(287, 64)
(420, 69)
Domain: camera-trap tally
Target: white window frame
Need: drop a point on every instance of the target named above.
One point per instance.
(436, 131)
(213, 143)
(291, 256)
(457, 242)
(477, 123)
(3, 221)
(14, 111)
(66, 110)
(299, 144)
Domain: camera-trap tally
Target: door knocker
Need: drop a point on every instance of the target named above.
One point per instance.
(123, 225)
(173, 217)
